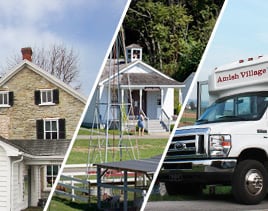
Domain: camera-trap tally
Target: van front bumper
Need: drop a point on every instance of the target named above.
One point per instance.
(205, 171)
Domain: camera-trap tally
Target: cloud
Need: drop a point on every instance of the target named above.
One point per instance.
(86, 26)
(16, 12)
(31, 12)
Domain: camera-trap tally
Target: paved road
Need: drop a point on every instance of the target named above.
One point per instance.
(204, 205)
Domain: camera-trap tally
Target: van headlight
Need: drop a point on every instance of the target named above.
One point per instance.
(219, 145)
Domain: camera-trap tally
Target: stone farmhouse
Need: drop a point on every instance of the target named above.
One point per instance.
(38, 116)
(137, 87)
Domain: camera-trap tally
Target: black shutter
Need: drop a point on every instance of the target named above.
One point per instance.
(40, 129)
(11, 98)
(56, 96)
(62, 134)
(37, 97)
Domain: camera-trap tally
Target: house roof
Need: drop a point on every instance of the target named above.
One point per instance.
(43, 73)
(138, 74)
(39, 147)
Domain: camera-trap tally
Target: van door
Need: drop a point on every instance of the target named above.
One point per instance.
(202, 97)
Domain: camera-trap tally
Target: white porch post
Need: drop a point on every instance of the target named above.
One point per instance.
(140, 99)
(162, 98)
(162, 103)
(180, 96)
(35, 180)
(122, 96)
(123, 109)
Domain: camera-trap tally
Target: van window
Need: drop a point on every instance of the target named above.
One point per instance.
(243, 107)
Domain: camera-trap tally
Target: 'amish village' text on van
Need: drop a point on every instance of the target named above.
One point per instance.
(243, 74)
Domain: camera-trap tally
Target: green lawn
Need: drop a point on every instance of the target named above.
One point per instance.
(79, 155)
(61, 204)
(89, 131)
(220, 193)
(146, 148)
(188, 117)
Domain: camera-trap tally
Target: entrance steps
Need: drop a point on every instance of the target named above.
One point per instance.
(155, 126)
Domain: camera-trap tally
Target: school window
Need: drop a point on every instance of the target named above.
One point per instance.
(46, 96)
(51, 172)
(136, 54)
(6, 99)
(50, 129)
(158, 101)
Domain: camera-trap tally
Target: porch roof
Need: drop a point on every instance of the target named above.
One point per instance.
(147, 79)
(144, 76)
(40, 147)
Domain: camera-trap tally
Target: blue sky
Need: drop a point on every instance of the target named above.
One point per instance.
(242, 32)
(86, 26)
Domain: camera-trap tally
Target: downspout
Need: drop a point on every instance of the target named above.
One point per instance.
(11, 181)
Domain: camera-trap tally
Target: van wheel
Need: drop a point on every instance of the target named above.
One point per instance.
(249, 182)
(177, 188)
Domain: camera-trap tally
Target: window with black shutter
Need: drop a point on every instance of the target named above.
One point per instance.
(56, 96)
(50, 129)
(11, 98)
(40, 129)
(37, 98)
(46, 97)
(62, 133)
(6, 99)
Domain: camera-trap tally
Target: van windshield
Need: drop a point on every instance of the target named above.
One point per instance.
(243, 107)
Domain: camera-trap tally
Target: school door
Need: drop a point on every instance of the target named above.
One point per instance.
(136, 102)
(154, 104)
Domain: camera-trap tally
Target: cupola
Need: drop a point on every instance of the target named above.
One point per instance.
(134, 53)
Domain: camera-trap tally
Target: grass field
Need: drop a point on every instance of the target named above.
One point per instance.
(220, 192)
(62, 204)
(146, 148)
(188, 117)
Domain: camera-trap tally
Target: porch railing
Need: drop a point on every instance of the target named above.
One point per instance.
(165, 120)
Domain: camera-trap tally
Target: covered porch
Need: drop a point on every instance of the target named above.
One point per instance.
(29, 168)
(151, 94)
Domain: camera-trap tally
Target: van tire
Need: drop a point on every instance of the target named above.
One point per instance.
(249, 182)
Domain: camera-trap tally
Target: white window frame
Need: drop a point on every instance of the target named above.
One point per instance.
(50, 130)
(2, 96)
(44, 97)
(46, 185)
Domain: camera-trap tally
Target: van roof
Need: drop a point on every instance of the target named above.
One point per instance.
(242, 63)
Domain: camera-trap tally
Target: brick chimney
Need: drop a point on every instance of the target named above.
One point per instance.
(27, 53)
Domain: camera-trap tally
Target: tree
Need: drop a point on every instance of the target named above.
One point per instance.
(57, 60)
(173, 33)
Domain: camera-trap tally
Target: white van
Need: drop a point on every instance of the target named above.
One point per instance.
(228, 145)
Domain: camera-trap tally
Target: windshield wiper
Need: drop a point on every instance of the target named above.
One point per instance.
(201, 121)
(232, 117)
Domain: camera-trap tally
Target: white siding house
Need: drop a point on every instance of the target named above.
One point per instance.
(23, 164)
(136, 87)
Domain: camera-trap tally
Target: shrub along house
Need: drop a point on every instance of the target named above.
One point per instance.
(138, 87)
(38, 116)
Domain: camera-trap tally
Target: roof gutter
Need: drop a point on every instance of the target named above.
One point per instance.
(11, 180)
(42, 160)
